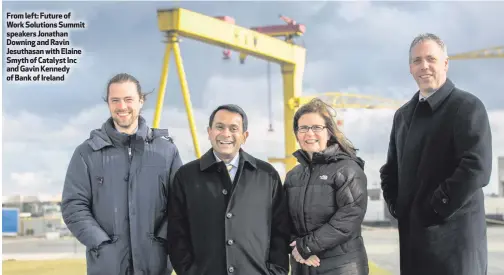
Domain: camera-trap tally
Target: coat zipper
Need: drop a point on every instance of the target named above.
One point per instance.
(310, 171)
(129, 150)
(130, 157)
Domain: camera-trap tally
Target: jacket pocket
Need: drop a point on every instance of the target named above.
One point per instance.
(423, 210)
(97, 190)
(103, 203)
(158, 256)
(163, 186)
(103, 259)
(160, 206)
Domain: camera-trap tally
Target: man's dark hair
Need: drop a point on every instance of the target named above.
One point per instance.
(231, 108)
(125, 77)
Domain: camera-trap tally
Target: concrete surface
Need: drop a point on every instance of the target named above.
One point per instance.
(381, 244)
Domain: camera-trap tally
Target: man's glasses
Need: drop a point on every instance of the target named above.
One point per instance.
(314, 128)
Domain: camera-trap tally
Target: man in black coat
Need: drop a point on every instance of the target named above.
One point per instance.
(439, 159)
(227, 212)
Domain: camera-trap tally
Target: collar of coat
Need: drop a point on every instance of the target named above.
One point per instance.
(332, 153)
(208, 159)
(107, 135)
(434, 101)
(436, 98)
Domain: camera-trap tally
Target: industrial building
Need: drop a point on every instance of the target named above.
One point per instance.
(31, 215)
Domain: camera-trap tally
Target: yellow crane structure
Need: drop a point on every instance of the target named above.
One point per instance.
(224, 33)
(493, 52)
(260, 42)
(343, 101)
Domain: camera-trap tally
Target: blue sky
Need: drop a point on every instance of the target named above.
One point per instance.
(353, 47)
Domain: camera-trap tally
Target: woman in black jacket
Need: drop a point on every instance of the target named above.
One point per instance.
(327, 194)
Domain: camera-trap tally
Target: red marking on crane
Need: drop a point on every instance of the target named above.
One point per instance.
(288, 20)
(280, 30)
(299, 28)
(226, 54)
(227, 19)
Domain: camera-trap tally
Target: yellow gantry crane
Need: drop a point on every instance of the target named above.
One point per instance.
(494, 52)
(259, 42)
(343, 101)
(222, 32)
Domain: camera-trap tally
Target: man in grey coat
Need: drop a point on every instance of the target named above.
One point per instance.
(116, 188)
(439, 159)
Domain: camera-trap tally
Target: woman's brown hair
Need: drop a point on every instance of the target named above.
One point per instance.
(318, 106)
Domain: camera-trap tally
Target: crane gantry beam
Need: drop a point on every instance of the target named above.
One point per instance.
(222, 32)
(341, 100)
(494, 52)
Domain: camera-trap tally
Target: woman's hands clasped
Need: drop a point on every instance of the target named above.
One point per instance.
(313, 260)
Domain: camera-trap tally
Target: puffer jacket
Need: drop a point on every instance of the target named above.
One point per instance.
(327, 199)
(114, 199)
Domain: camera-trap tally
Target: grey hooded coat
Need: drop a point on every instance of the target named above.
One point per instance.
(115, 196)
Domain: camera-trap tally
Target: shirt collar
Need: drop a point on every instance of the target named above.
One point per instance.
(208, 159)
(436, 98)
(234, 162)
(420, 96)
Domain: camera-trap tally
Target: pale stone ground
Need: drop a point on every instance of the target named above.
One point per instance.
(381, 244)
(383, 248)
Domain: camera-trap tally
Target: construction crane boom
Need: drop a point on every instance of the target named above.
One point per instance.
(494, 52)
(341, 100)
(221, 31)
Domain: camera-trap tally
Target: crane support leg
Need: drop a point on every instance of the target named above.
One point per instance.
(173, 44)
(185, 92)
(162, 85)
(292, 76)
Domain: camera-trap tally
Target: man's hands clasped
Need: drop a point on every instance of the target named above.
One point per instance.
(313, 260)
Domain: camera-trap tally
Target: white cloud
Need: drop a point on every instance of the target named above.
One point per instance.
(38, 162)
(310, 8)
(30, 179)
(391, 24)
(363, 43)
(352, 11)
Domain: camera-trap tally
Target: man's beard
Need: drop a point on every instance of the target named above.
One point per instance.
(125, 124)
